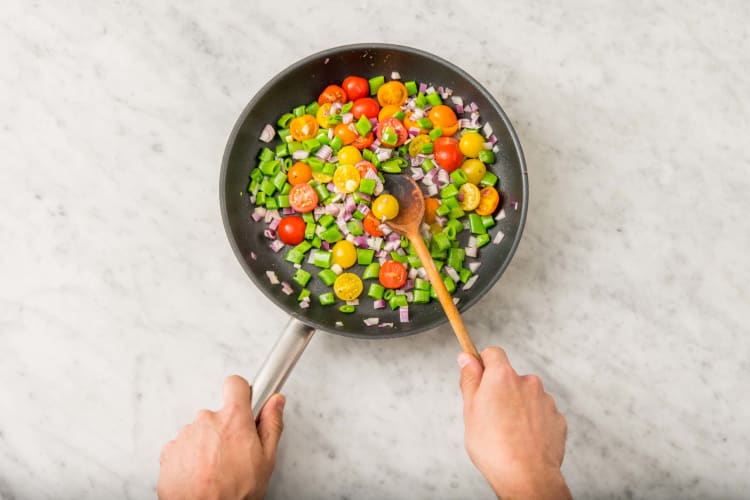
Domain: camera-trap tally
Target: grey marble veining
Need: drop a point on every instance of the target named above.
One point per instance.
(122, 307)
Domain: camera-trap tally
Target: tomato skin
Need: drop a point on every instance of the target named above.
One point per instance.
(303, 127)
(409, 123)
(388, 111)
(350, 155)
(397, 127)
(356, 87)
(392, 274)
(344, 254)
(346, 178)
(362, 142)
(393, 93)
(365, 166)
(430, 208)
(447, 154)
(299, 173)
(303, 198)
(444, 117)
(292, 229)
(385, 206)
(365, 106)
(471, 144)
(471, 196)
(474, 170)
(489, 199)
(348, 286)
(346, 134)
(372, 225)
(332, 93)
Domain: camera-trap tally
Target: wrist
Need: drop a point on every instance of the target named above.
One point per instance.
(537, 484)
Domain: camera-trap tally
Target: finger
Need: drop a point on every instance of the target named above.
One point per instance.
(237, 392)
(494, 356)
(271, 425)
(166, 451)
(471, 374)
(533, 382)
(204, 416)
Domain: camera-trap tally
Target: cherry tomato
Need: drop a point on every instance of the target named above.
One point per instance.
(372, 225)
(365, 106)
(393, 93)
(392, 274)
(348, 286)
(346, 178)
(292, 229)
(392, 133)
(430, 208)
(488, 201)
(471, 144)
(415, 146)
(443, 116)
(322, 178)
(470, 195)
(303, 198)
(323, 115)
(447, 154)
(344, 254)
(356, 87)
(332, 93)
(365, 166)
(474, 170)
(385, 206)
(299, 173)
(363, 141)
(388, 111)
(346, 134)
(303, 127)
(409, 123)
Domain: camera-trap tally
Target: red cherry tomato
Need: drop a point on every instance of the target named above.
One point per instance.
(332, 93)
(303, 198)
(292, 229)
(392, 274)
(392, 133)
(356, 87)
(363, 141)
(365, 166)
(372, 225)
(447, 153)
(365, 106)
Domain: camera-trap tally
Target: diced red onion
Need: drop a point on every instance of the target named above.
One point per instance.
(365, 197)
(473, 266)
(360, 241)
(379, 304)
(297, 266)
(428, 179)
(287, 211)
(253, 256)
(422, 273)
(271, 215)
(379, 188)
(416, 161)
(371, 174)
(493, 139)
(274, 224)
(417, 173)
(339, 324)
(413, 273)
(363, 209)
(487, 145)
(270, 234)
(372, 321)
(383, 153)
(429, 90)
(337, 269)
(385, 325)
(276, 245)
(335, 108)
(498, 238)
(374, 121)
(341, 223)
(333, 209)
(441, 220)
(330, 133)
(487, 129)
(324, 152)
(514, 204)
(409, 285)
(422, 87)
(395, 75)
(319, 211)
(443, 176)
(354, 302)
(432, 190)
(460, 196)
(464, 123)
(300, 154)
(258, 213)
(500, 215)
(472, 241)
(286, 288)
(392, 245)
(474, 117)
(459, 108)
(272, 277)
(409, 296)
(471, 251)
(375, 242)
(347, 118)
(349, 204)
(451, 272)
(253, 198)
(456, 300)
(473, 106)
(457, 100)
(375, 145)
(495, 149)
(386, 229)
(304, 304)
(417, 114)
(391, 236)
(403, 314)
(268, 132)
(470, 282)
(325, 245)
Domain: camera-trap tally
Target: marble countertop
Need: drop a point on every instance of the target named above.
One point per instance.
(122, 307)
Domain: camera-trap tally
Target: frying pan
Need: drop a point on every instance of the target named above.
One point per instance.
(301, 83)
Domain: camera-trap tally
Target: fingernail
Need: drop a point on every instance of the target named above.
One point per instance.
(463, 359)
(282, 402)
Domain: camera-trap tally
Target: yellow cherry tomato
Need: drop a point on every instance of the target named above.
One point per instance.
(393, 93)
(415, 146)
(349, 155)
(388, 111)
(348, 286)
(323, 115)
(471, 144)
(385, 206)
(471, 196)
(346, 178)
(474, 170)
(344, 254)
(322, 178)
(303, 127)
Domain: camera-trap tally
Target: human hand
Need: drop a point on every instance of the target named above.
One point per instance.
(222, 454)
(513, 432)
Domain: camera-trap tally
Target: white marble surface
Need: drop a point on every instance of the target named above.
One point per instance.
(122, 307)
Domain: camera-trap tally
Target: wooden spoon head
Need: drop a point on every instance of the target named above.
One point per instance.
(410, 203)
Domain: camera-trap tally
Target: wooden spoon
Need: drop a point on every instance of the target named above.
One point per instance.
(408, 222)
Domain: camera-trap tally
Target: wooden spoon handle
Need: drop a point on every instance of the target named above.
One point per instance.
(444, 296)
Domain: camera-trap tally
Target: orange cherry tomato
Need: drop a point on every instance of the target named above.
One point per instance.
(365, 166)
(409, 123)
(303, 127)
(447, 153)
(392, 274)
(489, 198)
(303, 198)
(388, 111)
(299, 173)
(430, 208)
(444, 117)
(332, 93)
(372, 225)
(392, 133)
(392, 93)
(346, 133)
(363, 141)
(356, 87)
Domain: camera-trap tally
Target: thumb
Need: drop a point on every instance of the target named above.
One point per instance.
(270, 425)
(471, 374)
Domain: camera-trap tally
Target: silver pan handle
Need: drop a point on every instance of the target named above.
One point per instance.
(279, 362)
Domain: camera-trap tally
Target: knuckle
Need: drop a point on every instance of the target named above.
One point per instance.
(204, 416)
(534, 382)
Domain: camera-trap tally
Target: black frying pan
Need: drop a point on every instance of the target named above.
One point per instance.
(301, 83)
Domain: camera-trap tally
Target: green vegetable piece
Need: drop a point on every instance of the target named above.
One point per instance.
(294, 256)
(375, 84)
(271, 203)
(449, 191)
(303, 295)
(322, 258)
(322, 191)
(487, 156)
(253, 187)
(308, 217)
(326, 220)
(420, 101)
(456, 258)
(482, 240)
(367, 186)
(279, 180)
(475, 224)
(441, 241)
(464, 275)
(270, 167)
(327, 299)
(488, 221)
(434, 99)
(421, 284)
(451, 202)
(260, 198)
(449, 284)
(303, 247)
(436, 133)
(421, 296)
(399, 115)
(443, 210)
(284, 120)
(294, 146)
(397, 301)
(332, 234)
(282, 150)
(302, 277)
(266, 155)
(457, 213)
(311, 145)
(427, 148)
(282, 201)
(336, 144)
(371, 271)
(459, 177)
(285, 135)
(316, 242)
(299, 111)
(355, 227)
(310, 230)
(363, 125)
(256, 175)
(433, 293)
(329, 168)
(347, 308)
(347, 107)
(427, 165)
(488, 180)
(327, 276)
(450, 232)
(391, 167)
(424, 123)
(365, 256)
(376, 291)
(414, 261)
(312, 108)
(389, 136)
(411, 87)
(388, 295)
(322, 136)
(403, 259)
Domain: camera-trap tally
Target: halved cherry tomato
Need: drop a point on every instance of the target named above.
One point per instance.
(356, 87)
(447, 154)
(292, 229)
(303, 127)
(488, 201)
(350, 155)
(430, 208)
(392, 274)
(332, 93)
(299, 173)
(365, 166)
(363, 141)
(348, 286)
(323, 115)
(393, 92)
(470, 196)
(388, 111)
(409, 123)
(365, 106)
(346, 178)
(303, 198)
(372, 225)
(443, 116)
(346, 133)
(415, 146)
(392, 133)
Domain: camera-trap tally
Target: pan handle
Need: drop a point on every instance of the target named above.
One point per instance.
(279, 362)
